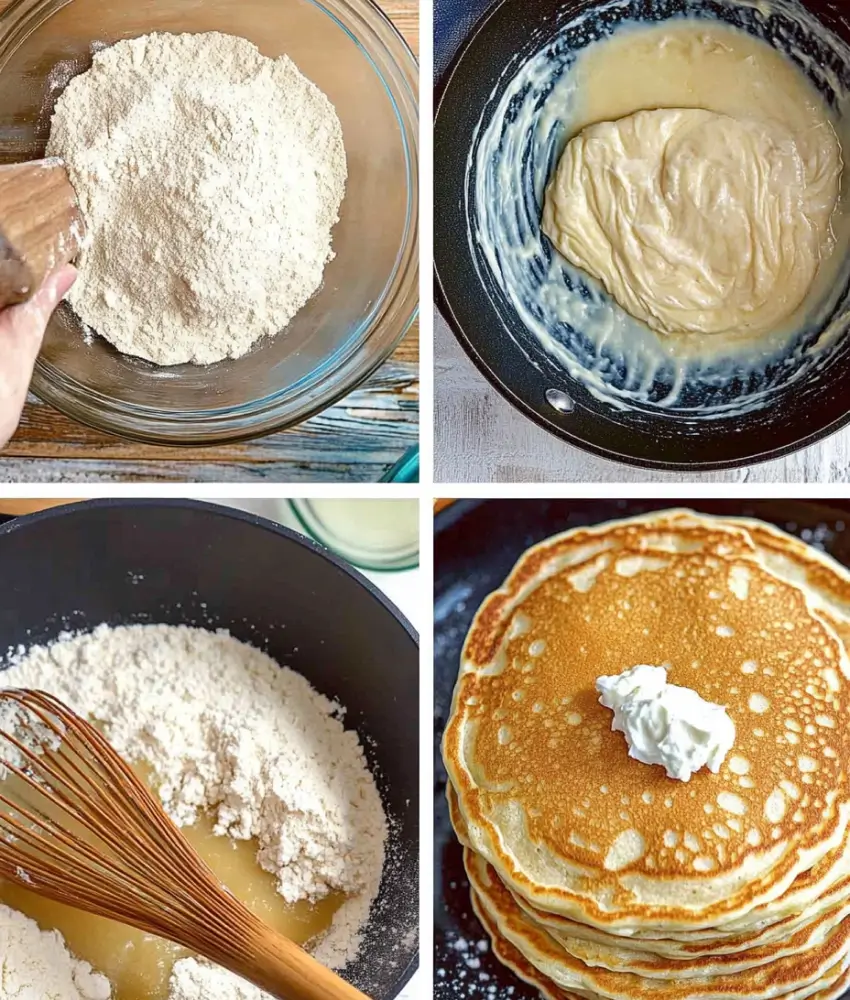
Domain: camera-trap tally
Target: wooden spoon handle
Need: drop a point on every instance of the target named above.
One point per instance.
(41, 227)
(280, 967)
(268, 959)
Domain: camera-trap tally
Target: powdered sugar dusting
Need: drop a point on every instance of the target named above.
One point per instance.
(464, 975)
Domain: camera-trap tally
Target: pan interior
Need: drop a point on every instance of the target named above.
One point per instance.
(713, 418)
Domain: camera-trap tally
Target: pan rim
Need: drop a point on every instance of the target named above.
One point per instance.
(442, 302)
(22, 521)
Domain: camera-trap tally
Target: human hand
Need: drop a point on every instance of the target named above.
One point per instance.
(21, 333)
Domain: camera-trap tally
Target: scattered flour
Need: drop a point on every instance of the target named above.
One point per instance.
(229, 732)
(210, 178)
(36, 965)
(194, 980)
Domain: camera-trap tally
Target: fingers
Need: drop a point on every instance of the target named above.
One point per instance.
(29, 319)
(22, 327)
(21, 333)
(55, 288)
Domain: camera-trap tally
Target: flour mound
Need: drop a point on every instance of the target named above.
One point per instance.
(198, 980)
(209, 177)
(229, 732)
(36, 963)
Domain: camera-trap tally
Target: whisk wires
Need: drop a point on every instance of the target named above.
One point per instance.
(78, 826)
(65, 833)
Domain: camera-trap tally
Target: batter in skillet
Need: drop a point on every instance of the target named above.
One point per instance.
(703, 195)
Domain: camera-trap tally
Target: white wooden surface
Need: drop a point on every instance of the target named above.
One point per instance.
(415, 989)
(480, 438)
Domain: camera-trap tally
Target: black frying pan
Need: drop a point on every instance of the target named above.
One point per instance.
(489, 329)
(180, 562)
(476, 544)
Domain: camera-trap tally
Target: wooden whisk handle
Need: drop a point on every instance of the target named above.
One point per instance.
(41, 227)
(283, 969)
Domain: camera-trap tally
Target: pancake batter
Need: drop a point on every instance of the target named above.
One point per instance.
(698, 221)
(702, 311)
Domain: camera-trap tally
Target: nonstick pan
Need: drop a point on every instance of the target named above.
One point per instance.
(476, 544)
(487, 325)
(180, 562)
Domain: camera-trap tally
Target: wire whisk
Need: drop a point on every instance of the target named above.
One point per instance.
(78, 826)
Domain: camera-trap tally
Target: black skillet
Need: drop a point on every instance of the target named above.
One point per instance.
(181, 562)
(489, 329)
(476, 543)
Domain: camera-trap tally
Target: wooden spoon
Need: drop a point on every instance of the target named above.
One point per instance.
(41, 226)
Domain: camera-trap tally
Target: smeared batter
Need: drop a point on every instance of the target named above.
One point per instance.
(697, 221)
(670, 230)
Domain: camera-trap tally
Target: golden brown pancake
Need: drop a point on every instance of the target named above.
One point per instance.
(650, 957)
(794, 977)
(548, 791)
(606, 877)
(513, 958)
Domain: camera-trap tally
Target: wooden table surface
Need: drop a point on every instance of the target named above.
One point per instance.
(356, 440)
(480, 438)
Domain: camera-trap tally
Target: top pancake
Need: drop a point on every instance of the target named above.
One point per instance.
(548, 793)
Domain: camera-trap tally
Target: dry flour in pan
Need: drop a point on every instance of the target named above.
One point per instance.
(36, 963)
(229, 735)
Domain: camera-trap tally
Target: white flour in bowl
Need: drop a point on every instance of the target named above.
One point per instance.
(231, 734)
(209, 177)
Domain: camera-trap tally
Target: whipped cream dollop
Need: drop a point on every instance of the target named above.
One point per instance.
(667, 724)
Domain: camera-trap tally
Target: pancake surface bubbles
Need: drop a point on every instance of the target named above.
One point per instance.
(610, 878)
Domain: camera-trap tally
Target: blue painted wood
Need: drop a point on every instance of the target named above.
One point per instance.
(89, 471)
(357, 440)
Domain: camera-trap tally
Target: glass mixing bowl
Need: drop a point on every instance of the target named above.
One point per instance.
(369, 295)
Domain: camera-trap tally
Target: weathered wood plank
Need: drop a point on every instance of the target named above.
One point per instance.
(405, 16)
(408, 349)
(358, 439)
(19, 470)
(389, 397)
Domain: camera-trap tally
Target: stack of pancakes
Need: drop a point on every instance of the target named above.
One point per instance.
(598, 876)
